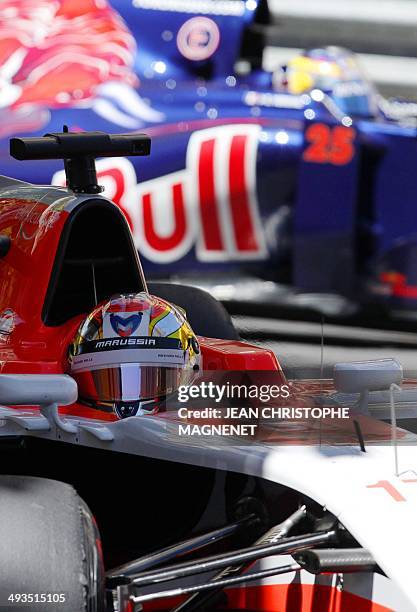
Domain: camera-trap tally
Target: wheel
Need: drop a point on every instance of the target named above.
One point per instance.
(207, 316)
(50, 549)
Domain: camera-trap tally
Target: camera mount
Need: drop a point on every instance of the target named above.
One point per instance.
(79, 150)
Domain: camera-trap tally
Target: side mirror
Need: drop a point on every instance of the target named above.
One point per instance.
(37, 389)
(45, 390)
(360, 376)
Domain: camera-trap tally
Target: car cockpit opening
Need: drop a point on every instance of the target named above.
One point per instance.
(96, 258)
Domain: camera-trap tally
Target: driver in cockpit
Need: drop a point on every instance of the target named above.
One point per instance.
(336, 72)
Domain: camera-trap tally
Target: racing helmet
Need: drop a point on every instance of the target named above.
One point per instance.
(333, 70)
(320, 68)
(132, 352)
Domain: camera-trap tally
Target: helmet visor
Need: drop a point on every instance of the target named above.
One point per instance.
(129, 382)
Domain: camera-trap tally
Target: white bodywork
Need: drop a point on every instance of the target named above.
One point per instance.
(378, 507)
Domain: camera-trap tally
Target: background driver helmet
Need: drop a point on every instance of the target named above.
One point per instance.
(333, 70)
(319, 68)
(131, 352)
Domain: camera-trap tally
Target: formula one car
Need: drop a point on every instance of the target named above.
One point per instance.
(325, 508)
(280, 187)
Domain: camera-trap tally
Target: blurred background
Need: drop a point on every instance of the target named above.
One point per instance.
(382, 32)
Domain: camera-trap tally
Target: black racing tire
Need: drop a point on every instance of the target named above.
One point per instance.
(207, 316)
(49, 544)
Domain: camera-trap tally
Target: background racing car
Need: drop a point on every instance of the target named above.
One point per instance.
(301, 178)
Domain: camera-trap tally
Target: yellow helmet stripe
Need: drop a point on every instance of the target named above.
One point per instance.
(156, 320)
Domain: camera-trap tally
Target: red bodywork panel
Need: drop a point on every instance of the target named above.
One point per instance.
(291, 597)
(35, 230)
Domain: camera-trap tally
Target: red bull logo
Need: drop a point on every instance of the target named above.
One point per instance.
(58, 54)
